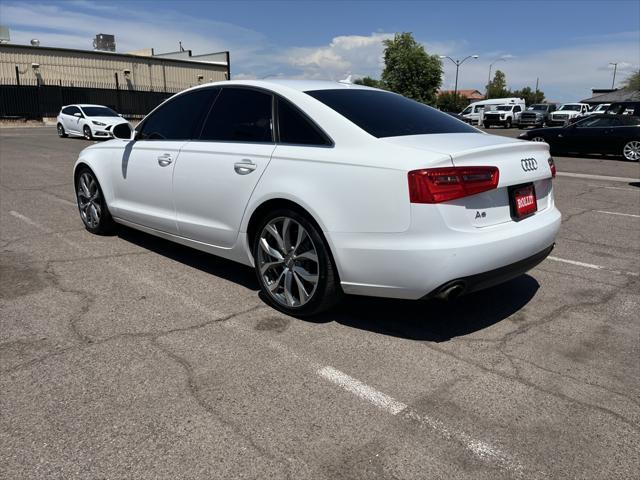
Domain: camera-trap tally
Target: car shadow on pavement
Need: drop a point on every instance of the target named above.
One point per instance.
(435, 320)
(429, 320)
(205, 262)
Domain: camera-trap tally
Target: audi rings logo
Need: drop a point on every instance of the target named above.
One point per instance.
(529, 164)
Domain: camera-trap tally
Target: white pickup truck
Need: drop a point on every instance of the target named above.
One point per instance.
(504, 115)
(566, 112)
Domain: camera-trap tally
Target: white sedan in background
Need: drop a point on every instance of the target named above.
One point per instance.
(88, 121)
(327, 188)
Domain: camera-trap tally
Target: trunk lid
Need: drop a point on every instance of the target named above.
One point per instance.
(520, 162)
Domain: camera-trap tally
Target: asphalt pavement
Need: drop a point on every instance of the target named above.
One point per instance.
(127, 356)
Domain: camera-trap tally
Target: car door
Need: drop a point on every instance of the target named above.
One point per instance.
(143, 186)
(591, 133)
(72, 120)
(216, 174)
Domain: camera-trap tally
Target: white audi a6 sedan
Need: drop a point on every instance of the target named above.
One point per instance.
(327, 188)
(88, 121)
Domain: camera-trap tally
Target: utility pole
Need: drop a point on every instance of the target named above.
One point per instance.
(615, 68)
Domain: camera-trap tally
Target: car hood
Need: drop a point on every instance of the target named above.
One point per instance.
(107, 120)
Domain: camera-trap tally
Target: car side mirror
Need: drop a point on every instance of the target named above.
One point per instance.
(123, 131)
(77, 114)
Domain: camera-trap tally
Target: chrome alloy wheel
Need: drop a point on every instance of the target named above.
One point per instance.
(538, 139)
(88, 194)
(288, 262)
(631, 150)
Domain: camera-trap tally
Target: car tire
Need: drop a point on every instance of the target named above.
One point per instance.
(93, 209)
(295, 269)
(507, 124)
(61, 132)
(86, 131)
(631, 150)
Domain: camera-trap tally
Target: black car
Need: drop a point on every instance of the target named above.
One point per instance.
(606, 134)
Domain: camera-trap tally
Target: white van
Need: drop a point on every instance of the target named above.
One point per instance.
(475, 110)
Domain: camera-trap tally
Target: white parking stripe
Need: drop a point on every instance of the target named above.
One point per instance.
(591, 265)
(482, 450)
(618, 213)
(598, 177)
(384, 402)
(627, 189)
(371, 395)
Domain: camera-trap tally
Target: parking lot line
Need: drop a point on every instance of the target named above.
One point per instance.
(591, 265)
(389, 404)
(618, 213)
(627, 189)
(598, 177)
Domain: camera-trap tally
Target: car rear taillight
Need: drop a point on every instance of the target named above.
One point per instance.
(436, 185)
(552, 166)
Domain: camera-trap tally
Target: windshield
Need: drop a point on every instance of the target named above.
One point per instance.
(99, 112)
(385, 114)
(467, 110)
(600, 108)
(504, 108)
(538, 107)
(575, 108)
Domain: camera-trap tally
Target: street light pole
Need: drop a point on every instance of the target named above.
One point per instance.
(502, 59)
(457, 63)
(615, 68)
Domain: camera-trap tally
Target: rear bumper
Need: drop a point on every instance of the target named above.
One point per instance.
(415, 264)
(480, 281)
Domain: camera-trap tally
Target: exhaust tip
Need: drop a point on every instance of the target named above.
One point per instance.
(449, 292)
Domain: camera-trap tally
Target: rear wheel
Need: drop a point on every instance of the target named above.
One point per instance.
(538, 139)
(631, 150)
(293, 264)
(91, 204)
(61, 132)
(87, 133)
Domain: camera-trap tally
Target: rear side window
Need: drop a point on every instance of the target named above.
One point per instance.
(179, 118)
(67, 110)
(385, 114)
(295, 128)
(240, 115)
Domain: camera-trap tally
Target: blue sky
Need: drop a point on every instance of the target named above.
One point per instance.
(567, 44)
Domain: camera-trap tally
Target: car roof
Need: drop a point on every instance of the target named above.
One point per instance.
(294, 84)
(83, 105)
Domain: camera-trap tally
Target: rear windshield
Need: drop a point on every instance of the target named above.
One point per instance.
(99, 112)
(385, 114)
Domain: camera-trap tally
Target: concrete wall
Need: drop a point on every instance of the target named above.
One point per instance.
(86, 67)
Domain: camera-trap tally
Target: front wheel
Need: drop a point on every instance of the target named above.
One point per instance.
(61, 132)
(87, 133)
(91, 204)
(631, 151)
(507, 124)
(293, 264)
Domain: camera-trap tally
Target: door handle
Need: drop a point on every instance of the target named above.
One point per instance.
(244, 167)
(164, 159)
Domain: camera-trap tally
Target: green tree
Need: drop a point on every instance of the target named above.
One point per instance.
(409, 70)
(449, 102)
(497, 87)
(530, 96)
(368, 82)
(632, 82)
